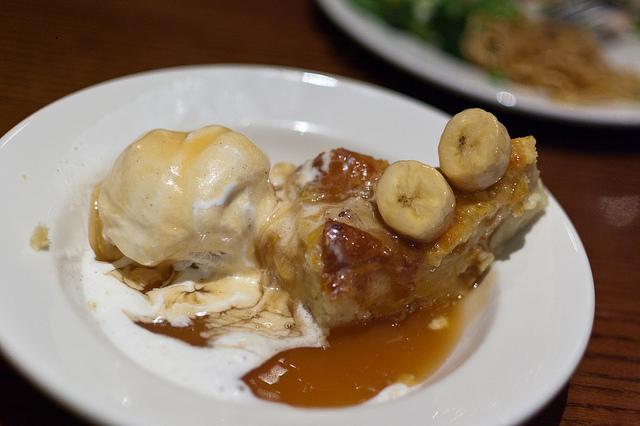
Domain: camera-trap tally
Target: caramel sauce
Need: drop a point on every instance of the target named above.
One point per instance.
(192, 334)
(359, 361)
(145, 278)
(103, 250)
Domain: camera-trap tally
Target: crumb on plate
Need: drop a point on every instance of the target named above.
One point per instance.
(40, 238)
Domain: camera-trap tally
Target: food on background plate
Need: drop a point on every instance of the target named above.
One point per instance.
(553, 46)
(351, 268)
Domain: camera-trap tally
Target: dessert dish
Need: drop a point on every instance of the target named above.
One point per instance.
(223, 247)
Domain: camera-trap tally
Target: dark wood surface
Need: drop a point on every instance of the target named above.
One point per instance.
(51, 48)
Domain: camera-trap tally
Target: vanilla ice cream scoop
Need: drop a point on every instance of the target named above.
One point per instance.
(179, 196)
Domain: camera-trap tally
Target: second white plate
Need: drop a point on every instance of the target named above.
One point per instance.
(432, 64)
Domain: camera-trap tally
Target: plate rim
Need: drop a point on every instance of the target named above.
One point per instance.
(84, 408)
(555, 386)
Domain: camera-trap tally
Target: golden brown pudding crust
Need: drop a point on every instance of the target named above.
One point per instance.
(352, 256)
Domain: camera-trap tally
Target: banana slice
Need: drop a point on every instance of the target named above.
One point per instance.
(415, 200)
(474, 150)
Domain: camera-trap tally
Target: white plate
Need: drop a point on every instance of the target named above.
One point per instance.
(430, 63)
(524, 345)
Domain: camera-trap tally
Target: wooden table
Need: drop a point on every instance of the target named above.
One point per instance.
(51, 48)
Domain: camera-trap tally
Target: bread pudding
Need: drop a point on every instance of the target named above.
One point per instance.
(329, 247)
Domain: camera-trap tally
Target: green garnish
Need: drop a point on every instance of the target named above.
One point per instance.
(497, 77)
(442, 22)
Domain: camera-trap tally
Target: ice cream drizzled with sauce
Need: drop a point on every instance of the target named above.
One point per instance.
(177, 215)
(187, 197)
